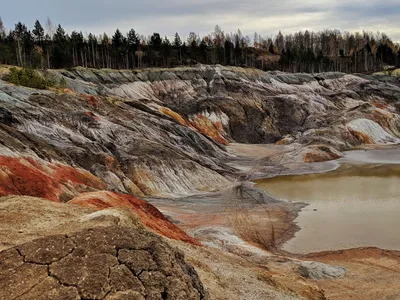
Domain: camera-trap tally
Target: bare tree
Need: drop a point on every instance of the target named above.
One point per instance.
(2, 29)
(50, 30)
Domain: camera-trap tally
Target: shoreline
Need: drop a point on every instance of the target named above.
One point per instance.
(344, 162)
(198, 213)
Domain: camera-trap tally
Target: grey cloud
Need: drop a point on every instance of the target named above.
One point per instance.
(166, 17)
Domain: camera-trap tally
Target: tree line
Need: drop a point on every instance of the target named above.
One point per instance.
(50, 46)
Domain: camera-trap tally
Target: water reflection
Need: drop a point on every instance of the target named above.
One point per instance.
(356, 205)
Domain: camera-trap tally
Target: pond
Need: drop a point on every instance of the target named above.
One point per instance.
(356, 205)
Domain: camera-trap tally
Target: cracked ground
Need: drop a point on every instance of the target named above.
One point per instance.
(103, 263)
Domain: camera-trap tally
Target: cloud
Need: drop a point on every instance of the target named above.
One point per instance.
(166, 17)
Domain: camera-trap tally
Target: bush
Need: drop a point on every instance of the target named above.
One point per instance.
(27, 77)
(63, 83)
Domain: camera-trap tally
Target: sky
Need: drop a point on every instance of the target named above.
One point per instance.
(166, 17)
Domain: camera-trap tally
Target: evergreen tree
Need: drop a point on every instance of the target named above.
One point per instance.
(38, 32)
(178, 45)
(328, 50)
(61, 56)
(166, 51)
(133, 46)
(117, 41)
(271, 49)
(92, 45)
(155, 41)
(177, 40)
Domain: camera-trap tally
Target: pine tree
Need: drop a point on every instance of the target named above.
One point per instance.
(155, 41)
(38, 32)
(117, 39)
(92, 43)
(271, 48)
(117, 43)
(133, 45)
(166, 50)
(177, 40)
(61, 54)
(105, 43)
(178, 45)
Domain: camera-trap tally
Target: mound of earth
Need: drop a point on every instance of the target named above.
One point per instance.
(100, 263)
(23, 218)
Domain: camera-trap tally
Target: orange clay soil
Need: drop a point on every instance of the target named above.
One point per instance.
(205, 126)
(29, 177)
(199, 123)
(150, 216)
(371, 274)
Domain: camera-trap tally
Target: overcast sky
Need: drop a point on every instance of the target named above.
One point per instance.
(266, 17)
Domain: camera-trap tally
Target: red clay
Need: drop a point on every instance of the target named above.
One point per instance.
(205, 126)
(29, 177)
(92, 115)
(150, 216)
(91, 100)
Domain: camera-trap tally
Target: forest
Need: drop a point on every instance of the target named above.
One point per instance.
(49, 46)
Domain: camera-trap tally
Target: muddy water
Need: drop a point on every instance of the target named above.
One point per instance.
(357, 205)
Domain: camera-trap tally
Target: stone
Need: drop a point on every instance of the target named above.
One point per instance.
(319, 271)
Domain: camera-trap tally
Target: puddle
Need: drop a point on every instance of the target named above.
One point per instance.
(357, 205)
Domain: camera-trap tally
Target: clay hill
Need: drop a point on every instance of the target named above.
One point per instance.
(133, 184)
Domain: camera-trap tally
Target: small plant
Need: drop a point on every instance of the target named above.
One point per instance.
(27, 77)
(13, 77)
(63, 83)
(388, 72)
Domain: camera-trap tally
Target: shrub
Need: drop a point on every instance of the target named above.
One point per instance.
(13, 76)
(63, 82)
(27, 77)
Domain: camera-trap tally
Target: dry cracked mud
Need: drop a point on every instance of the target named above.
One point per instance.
(101, 263)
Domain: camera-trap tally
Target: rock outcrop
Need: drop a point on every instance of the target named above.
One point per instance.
(251, 106)
(162, 132)
(319, 271)
(111, 146)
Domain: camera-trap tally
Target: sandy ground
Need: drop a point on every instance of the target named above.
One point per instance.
(372, 274)
(257, 150)
(383, 155)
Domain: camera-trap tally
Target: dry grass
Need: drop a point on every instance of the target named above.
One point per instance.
(252, 227)
(395, 72)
